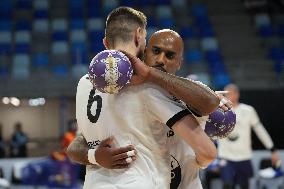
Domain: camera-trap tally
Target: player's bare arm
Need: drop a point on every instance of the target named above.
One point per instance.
(106, 156)
(190, 131)
(202, 99)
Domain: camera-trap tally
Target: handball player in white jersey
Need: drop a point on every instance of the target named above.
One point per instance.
(129, 126)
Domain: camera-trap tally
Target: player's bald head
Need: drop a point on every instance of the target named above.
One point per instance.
(168, 37)
(165, 47)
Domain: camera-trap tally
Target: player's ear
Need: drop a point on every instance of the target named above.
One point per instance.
(105, 43)
(180, 63)
(138, 34)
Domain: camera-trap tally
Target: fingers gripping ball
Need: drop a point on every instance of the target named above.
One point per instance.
(110, 71)
(220, 124)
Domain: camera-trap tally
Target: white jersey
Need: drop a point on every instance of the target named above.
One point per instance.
(237, 146)
(185, 172)
(137, 115)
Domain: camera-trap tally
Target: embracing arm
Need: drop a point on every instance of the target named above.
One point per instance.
(189, 130)
(77, 151)
(202, 99)
(105, 155)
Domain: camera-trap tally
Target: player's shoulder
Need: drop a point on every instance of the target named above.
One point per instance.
(153, 89)
(84, 80)
(246, 107)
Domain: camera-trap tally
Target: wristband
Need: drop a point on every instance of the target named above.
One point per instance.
(91, 156)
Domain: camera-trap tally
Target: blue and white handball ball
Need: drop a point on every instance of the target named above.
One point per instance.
(110, 71)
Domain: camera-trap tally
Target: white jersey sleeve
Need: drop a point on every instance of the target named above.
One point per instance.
(163, 106)
(260, 131)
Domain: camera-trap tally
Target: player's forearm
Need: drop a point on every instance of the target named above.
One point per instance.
(201, 99)
(190, 131)
(77, 151)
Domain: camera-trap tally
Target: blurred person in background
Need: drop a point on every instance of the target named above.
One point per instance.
(69, 135)
(236, 150)
(18, 142)
(2, 144)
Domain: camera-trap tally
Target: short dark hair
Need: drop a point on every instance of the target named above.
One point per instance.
(121, 22)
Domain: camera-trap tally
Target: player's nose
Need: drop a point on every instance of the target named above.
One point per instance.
(160, 59)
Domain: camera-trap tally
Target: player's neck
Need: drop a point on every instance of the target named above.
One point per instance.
(127, 48)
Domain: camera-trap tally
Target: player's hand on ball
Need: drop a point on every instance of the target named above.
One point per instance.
(225, 104)
(114, 158)
(140, 69)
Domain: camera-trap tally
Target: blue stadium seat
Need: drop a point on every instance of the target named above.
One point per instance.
(198, 10)
(217, 68)
(79, 70)
(214, 56)
(161, 2)
(22, 48)
(6, 7)
(221, 80)
(20, 66)
(204, 78)
(5, 37)
(266, 31)
(78, 36)
(77, 24)
(151, 22)
(23, 4)
(80, 57)
(193, 56)
(60, 36)
(4, 71)
(94, 12)
(279, 66)
(5, 25)
(41, 60)
(187, 32)
(60, 70)
(73, 4)
(5, 48)
(41, 25)
(96, 36)
(22, 36)
(280, 30)
(59, 47)
(128, 3)
(150, 31)
(59, 24)
(164, 11)
(142, 3)
(79, 47)
(96, 47)
(262, 20)
(94, 3)
(209, 43)
(95, 24)
(41, 14)
(276, 54)
(166, 23)
(108, 6)
(40, 4)
(23, 25)
(77, 13)
(178, 3)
